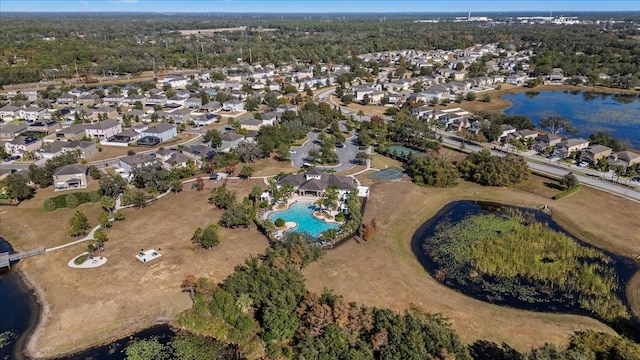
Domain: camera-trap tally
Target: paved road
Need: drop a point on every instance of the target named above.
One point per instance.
(588, 177)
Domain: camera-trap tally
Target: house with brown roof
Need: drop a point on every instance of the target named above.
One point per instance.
(624, 158)
(316, 182)
(72, 132)
(71, 177)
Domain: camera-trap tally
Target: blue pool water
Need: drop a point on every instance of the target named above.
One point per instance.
(588, 112)
(302, 214)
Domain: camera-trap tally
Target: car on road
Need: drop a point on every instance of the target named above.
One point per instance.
(292, 151)
(583, 164)
(12, 158)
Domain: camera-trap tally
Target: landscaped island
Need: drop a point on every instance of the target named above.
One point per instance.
(510, 257)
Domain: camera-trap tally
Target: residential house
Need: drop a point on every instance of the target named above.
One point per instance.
(593, 153)
(176, 160)
(199, 152)
(269, 118)
(205, 119)
(45, 126)
(517, 79)
(129, 162)
(175, 81)
(103, 130)
(287, 107)
(108, 112)
(12, 131)
(360, 91)
(315, 182)
(9, 112)
(251, 124)
(506, 131)
(88, 100)
(624, 158)
(66, 100)
(524, 134)
(133, 99)
(180, 116)
(569, 146)
(155, 100)
(113, 99)
(546, 140)
(233, 105)
(22, 144)
(176, 100)
(163, 131)
(230, 140)
(56, 148)
(193, 103)
(32, 113)
(210, 107)
(126, 136)
(72, 132)
(71, 177)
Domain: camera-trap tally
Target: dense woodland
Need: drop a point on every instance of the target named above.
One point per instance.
(126, 43)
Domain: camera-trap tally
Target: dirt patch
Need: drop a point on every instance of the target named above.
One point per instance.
(124, 295)
(385, 273)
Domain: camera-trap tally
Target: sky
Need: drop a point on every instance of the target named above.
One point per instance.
(317, 6)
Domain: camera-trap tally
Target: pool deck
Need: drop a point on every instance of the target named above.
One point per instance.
(302, 199)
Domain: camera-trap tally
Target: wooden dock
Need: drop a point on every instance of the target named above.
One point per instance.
(6, 258)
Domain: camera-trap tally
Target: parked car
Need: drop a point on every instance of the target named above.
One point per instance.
(583, 164)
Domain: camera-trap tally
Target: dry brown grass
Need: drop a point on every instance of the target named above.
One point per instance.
(95, 305)
(270, 166)
(385, 273)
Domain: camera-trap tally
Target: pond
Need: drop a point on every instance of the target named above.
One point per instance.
(589, 112)
(301, 213)
(459, 211)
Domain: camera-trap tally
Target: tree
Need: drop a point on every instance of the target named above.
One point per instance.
(557, 124)
(237, 215)
(491, 131)
(569, 181)
(251, 103)
(471, 96)
(486, 98)
(249, 152)
(221, 197)
(111, 186)
(362, 157)
(100, 237)
(78, 224)
(108, 203)
(213, 137)
(103, 220)
(176, 186)
(255, 194)
(16, 187)
(246, 171)
(206, 238)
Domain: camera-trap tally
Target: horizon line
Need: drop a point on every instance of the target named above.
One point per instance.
(636, 12)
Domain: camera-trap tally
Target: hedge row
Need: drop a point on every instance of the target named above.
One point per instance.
(567, 192)
(71, 200)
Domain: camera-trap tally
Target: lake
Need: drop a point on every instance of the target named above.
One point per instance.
(589, 112)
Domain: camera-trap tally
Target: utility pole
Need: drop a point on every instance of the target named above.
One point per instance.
(250, 57)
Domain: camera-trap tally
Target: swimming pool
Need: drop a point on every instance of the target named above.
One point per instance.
(301, 213)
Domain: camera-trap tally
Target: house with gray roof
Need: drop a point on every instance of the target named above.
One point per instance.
(12, 131)
(71, 177)
(230, 140)
(57, 148)
(316, 182)
(163, 131)
(72, 132)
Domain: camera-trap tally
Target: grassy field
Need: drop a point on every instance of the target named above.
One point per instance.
(90, 306)
(385, 272)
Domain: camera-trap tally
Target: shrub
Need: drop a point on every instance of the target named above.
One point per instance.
(49, 205)
(131, 152)
(280, 222)
(118, 216)
(340, 217)
(94, 196)
(566, 193)
(94, 172)
(80, 259)
(72, 201)
(264, 204)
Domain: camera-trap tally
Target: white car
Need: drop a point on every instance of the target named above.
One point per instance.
(583, 164)
(292, 151)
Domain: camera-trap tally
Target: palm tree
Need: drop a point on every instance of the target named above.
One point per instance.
(255, 194)
(331, 198)
(318, 203)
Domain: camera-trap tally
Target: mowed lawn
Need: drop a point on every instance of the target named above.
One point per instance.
(89, 306)
(385, 273)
